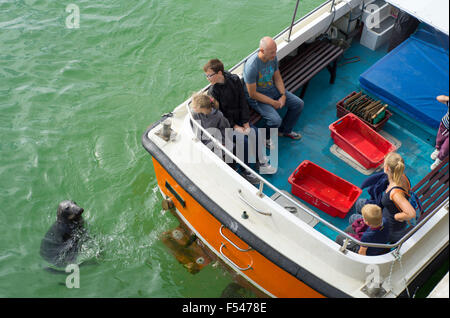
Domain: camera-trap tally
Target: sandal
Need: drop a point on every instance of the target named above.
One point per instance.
(293, 135)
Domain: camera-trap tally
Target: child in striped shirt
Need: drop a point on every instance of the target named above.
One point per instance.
(441, 150)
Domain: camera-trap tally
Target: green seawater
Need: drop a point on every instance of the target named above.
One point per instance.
(74, 103)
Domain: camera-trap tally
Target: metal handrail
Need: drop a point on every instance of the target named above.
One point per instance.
(231, 242)
(250, 205)
(233, 263)
(281, 33)
(305, 209)
(293, 21)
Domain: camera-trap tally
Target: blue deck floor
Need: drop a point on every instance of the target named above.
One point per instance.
(320, 111)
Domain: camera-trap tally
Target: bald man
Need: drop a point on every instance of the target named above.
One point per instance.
(266, 93)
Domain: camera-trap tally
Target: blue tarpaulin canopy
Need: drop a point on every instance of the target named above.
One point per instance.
(412, 75)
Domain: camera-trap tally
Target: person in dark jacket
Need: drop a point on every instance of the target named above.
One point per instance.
(227, 89)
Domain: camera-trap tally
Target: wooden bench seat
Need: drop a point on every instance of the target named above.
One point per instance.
(300, 69)
(297, 71)
(432, 190)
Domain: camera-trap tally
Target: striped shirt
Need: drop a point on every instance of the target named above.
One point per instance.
(445, 119)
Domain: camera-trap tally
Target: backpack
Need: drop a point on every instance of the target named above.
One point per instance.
(415, 203)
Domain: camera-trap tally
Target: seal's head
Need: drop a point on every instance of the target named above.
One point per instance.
(69, 212)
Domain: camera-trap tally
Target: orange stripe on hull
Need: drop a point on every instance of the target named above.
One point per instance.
(263, 272)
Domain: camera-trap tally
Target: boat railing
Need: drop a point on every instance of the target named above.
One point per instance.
(263, 182)
(285, 30)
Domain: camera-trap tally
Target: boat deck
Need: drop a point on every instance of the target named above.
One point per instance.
(417, 140)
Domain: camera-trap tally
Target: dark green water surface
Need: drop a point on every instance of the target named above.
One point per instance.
(73, 106)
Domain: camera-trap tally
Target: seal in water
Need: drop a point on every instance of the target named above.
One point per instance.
(61, 243)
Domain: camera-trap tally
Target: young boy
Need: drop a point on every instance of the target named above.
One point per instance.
(375, 232)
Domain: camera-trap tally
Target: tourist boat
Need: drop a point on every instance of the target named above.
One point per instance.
(285, 246)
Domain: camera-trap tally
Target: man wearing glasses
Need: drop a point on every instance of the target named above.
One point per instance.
(227, 89)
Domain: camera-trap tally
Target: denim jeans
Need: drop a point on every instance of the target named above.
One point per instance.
(273, 119)
(251, 152)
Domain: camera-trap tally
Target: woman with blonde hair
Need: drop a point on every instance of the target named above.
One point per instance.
(396, 208)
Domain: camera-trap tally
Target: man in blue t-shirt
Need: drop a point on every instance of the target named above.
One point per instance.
(266, 93)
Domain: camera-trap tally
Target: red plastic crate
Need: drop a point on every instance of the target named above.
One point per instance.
(323, 189)
(360, 141)
(342, 111)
